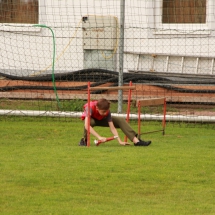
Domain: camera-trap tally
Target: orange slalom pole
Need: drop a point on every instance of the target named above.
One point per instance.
(98, 142)
(88, 115)
(139, 107)
(128, 108)
(164, 116)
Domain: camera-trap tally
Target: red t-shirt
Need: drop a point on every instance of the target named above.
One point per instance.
(94, 112)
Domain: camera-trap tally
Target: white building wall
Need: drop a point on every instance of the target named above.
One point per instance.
(28, 50)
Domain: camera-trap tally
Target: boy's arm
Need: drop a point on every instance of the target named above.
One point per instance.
(115, 133)
(92, 131)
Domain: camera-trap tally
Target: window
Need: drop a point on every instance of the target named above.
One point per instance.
(184, 11)
(19, 11)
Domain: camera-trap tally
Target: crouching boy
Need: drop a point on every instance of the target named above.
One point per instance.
(100, 115)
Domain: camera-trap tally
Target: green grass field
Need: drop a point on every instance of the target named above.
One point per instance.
(44, 171)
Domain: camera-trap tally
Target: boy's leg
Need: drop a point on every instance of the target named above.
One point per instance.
(124, 126)
(83, 141)
(118, 123)
(128, 131)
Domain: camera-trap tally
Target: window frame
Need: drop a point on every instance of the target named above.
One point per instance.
(17, 27)
(187, 15)
(180, 28)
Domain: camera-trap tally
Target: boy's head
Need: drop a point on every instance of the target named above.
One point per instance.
(103, 106)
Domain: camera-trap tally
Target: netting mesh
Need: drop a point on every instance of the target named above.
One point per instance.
(168, 51)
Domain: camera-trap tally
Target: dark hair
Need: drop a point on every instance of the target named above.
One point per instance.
(103, 104)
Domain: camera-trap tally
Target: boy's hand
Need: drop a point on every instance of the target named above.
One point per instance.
(103, 139)
(124, 143)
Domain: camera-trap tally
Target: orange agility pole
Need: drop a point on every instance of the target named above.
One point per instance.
(164, 116)
(88, 115)
(114, 88)
(98, 142)
(128, 108)
(151, 102)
